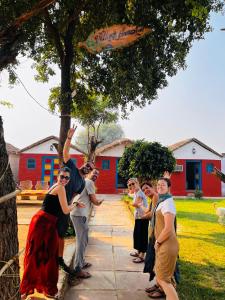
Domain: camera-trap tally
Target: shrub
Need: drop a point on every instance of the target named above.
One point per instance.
(146, 160)
(198, 194)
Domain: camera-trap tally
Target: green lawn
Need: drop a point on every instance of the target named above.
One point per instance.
(202, 250)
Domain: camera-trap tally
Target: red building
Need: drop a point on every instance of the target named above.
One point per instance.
(39, 161)
(195, 162)
(107, 158)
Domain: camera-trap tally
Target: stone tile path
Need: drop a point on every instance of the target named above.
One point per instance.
(114, 275)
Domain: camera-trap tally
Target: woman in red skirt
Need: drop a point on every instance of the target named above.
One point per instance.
(41, 253)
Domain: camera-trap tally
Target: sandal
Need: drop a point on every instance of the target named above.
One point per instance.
(138, 260)
(157, 294)
(152, 288)
(134, 254)
(73, 281)
(87, 265)
(83, 275)
(26, 297)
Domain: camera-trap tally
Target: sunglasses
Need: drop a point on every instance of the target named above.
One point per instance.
(143, 189)
(131, 184)
(64, 177)
(146, 188)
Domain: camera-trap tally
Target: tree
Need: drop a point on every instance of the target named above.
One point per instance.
(146, 160)
(8, 227)
(12, 40)
(131, 76)
(107, 134)
(96, 113)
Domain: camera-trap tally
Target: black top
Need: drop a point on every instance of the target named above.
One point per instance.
(76, 183)
(51, 205)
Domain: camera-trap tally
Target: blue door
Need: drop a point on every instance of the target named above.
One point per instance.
(193, 175)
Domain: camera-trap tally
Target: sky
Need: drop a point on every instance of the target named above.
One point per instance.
(192, 105)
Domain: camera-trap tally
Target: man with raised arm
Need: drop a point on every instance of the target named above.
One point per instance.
(79, 218)
(74, 187)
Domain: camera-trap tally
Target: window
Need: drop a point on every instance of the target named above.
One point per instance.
(178, 168)
(31, 163)
(105, 164)
(209, 168)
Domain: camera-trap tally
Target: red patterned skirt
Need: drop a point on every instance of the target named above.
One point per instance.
(41, 256)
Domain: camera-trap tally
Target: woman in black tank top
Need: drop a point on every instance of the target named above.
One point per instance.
(41, 253)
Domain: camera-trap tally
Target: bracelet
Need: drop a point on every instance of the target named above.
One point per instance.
(69, 138)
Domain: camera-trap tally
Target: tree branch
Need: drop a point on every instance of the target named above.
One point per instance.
(73, 15)
(98, 127)
(54, 34)
(42, 4)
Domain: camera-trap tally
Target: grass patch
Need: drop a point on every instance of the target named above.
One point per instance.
(202, 249)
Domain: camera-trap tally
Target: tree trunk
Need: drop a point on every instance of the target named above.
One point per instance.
(65, 96)
(9, 286)
(65, 102)
(92, 145)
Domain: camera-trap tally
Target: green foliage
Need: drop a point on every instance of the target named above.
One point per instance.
(129, 77)
(146, 161)
(201, 256)
(24, 39)
(107, 132)
(125, 160)
(6, 103)
(43, 71)
(126, 78)
(95, 110)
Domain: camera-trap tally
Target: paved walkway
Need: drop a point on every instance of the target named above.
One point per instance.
(114, 275)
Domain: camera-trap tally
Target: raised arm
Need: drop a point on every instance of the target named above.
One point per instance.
(66, 148)
(167, 174)
(219, 174)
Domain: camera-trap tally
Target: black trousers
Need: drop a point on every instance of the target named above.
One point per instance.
(141, 235)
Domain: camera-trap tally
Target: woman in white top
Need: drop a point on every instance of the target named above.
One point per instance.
(166, 244)
(140, 234)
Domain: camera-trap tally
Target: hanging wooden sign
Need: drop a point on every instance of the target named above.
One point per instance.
(114, 37)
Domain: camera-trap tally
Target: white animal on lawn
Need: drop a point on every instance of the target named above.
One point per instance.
(220, 211)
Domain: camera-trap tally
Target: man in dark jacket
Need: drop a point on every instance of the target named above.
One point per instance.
(75, 186)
